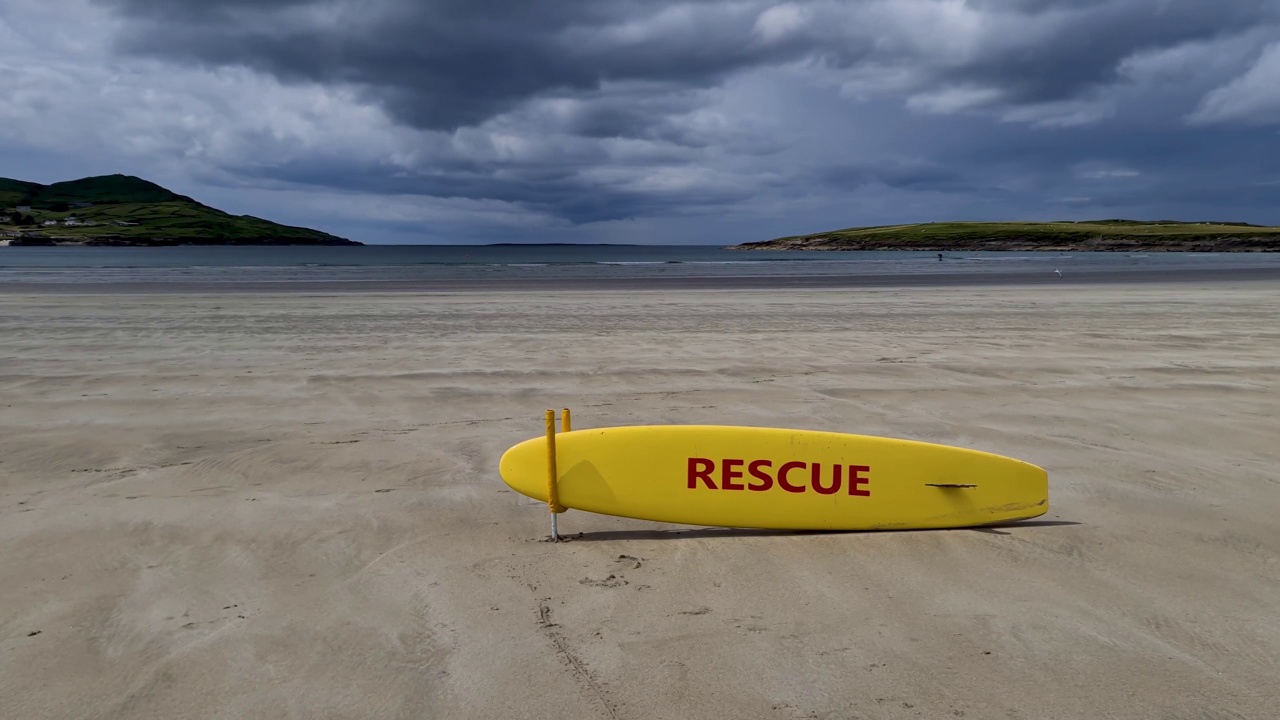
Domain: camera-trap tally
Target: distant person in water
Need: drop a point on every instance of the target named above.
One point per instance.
(939, 257)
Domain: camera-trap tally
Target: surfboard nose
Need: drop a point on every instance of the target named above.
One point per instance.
(518, 468)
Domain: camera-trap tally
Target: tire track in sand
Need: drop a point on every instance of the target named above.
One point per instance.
(575, 663)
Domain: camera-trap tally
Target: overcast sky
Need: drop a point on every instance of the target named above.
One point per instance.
(653, 121)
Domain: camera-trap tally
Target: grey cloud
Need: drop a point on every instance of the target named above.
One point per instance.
(643, 111)
(913, 176)
(570, 79)
(1086, 49)
(563, 191)
(1041, 51)
(450, 63)
(1253, 97)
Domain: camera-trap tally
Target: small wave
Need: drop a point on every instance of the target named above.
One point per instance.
(737, 262)
(629, 262)
(1018, 258)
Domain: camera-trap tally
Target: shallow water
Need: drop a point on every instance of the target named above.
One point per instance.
(527, 264)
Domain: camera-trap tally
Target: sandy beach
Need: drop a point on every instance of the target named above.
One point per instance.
(287, 506)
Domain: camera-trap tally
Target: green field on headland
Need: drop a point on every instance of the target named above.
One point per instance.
(1095, 235)
(125, 210)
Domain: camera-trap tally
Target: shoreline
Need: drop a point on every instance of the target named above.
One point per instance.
(709, 282)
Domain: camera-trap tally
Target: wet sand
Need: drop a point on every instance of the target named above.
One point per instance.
(650, 282)
(270, 506)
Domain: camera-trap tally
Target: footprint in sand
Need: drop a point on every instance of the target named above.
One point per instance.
(612, 581)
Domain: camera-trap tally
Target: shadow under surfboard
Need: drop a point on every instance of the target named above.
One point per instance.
(719, 532)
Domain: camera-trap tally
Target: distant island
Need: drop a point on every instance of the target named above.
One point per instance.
(123, 210)
(1085, 236)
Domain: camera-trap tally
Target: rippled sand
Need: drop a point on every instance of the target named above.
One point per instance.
(239, 506)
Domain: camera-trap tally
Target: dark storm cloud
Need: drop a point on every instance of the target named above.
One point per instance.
(569, 79)
(908, 176)
(442, 64)
(561, 190)
(549, 190)
(1085, 46)
(449, 63)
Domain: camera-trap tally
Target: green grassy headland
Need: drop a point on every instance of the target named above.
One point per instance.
(126, 210)
(1093, 235)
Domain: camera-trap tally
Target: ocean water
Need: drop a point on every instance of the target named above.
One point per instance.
(526, 264)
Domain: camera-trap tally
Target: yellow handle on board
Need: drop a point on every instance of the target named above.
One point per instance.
(553, 496)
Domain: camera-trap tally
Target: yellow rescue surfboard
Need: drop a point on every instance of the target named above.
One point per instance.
(755, 477)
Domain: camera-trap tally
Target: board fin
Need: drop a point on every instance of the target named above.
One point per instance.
(957, 486)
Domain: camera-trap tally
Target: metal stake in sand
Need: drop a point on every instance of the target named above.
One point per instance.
(553, 496)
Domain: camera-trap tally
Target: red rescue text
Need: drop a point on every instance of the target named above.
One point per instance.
(794, 476)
